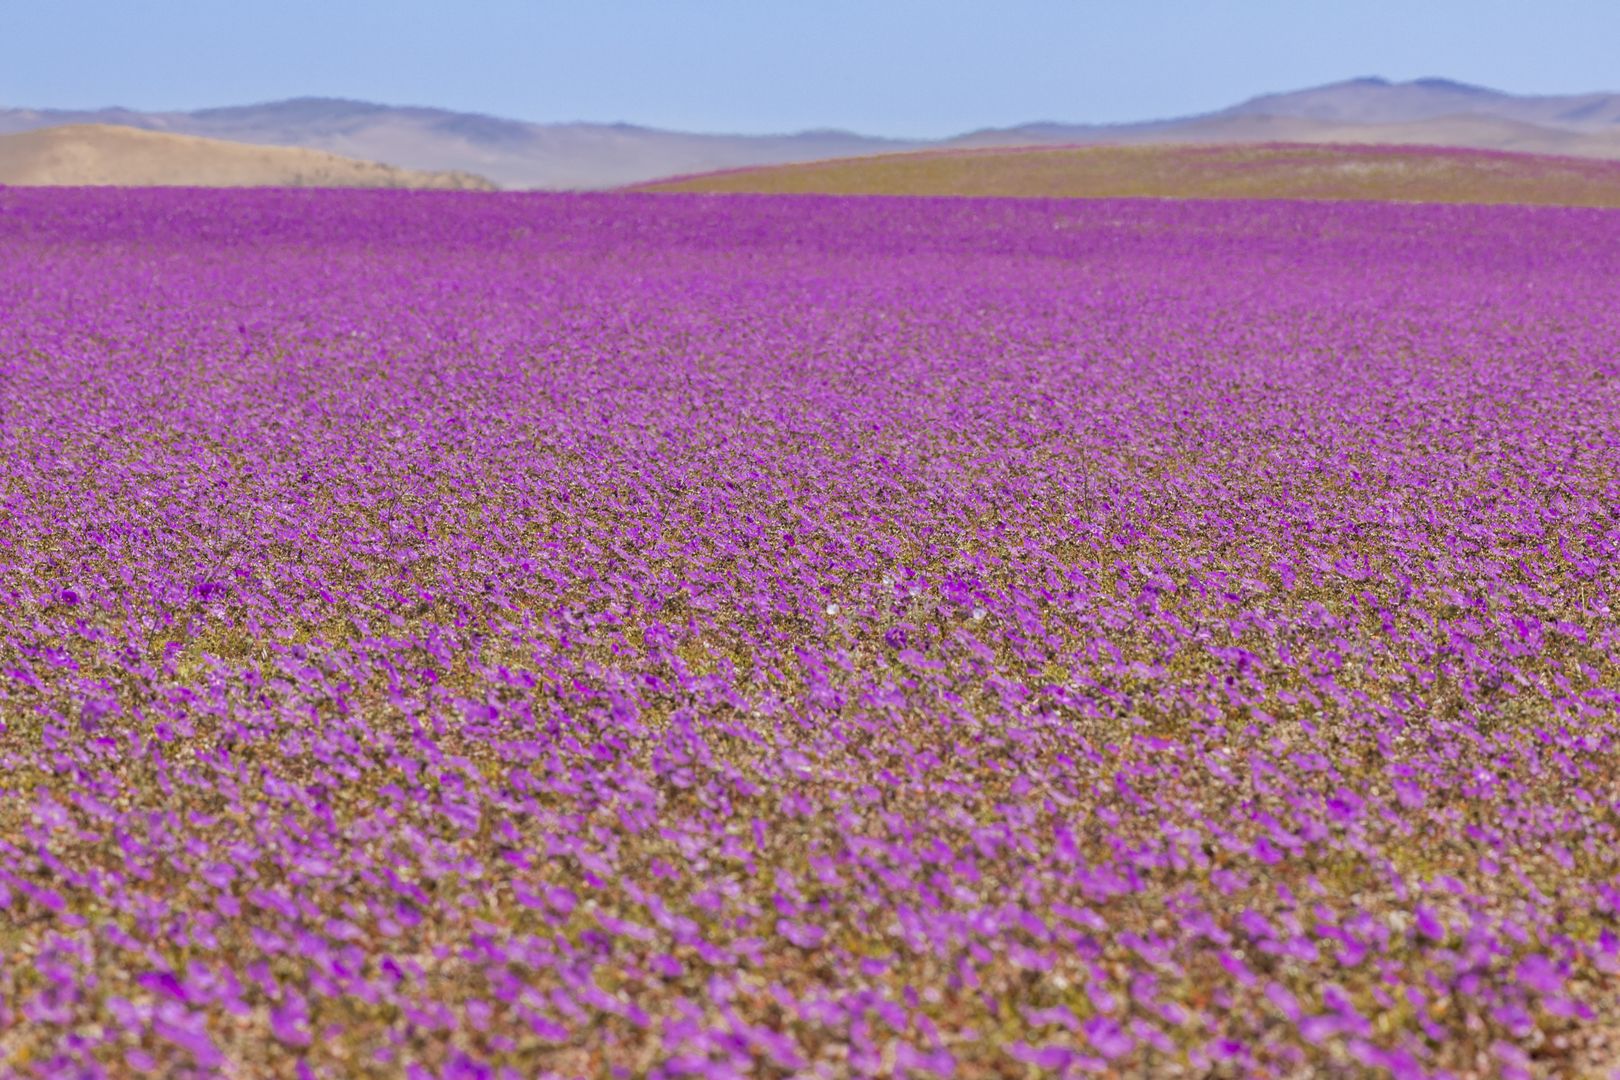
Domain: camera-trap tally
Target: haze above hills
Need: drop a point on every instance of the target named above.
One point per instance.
(518, 154)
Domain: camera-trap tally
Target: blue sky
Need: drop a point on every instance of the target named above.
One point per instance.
(897, 67)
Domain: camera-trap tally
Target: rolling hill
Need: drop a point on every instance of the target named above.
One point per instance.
(104, 154)
(1417, 174)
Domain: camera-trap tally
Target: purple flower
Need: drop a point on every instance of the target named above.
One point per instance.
(803, 935)
(1538, 973)
(1107, 1038)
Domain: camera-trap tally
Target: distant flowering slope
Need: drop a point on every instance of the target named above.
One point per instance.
(649, 636)
(1210, 171)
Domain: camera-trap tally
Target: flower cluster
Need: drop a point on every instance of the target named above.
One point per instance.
(501, 635)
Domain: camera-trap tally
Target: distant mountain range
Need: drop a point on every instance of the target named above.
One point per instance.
(512, 153)
(518, 154)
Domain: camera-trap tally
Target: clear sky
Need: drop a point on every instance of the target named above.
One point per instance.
(896, 67)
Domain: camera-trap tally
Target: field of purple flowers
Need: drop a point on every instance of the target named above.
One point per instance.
(663, 636)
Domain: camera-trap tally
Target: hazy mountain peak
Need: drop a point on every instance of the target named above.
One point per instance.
(1379, 101)
(1434, 83)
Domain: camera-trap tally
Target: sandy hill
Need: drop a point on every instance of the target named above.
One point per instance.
(96, 154)
(1300, 171)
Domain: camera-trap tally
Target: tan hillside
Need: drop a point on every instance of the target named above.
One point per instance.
(1401, 173)
(104, 154)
